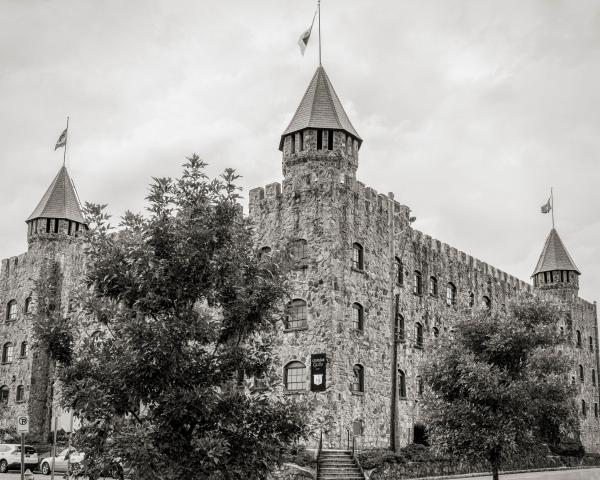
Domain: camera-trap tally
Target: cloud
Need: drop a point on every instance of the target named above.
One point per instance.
(470, 111)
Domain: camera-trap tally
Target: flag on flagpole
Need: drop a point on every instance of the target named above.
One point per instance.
(303, 40)
(62, 140)
(547, 207)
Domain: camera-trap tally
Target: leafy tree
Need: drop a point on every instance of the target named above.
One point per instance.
(499, 383)
(177, 314)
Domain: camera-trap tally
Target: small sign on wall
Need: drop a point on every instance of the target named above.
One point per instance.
(318, 371)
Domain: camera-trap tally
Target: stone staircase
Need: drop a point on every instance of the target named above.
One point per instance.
(338, 465)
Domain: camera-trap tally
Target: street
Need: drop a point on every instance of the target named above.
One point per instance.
(15, 475)
(583, 474)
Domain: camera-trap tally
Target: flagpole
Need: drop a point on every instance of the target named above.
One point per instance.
(552, 205)
(66, 141)
(319, 8)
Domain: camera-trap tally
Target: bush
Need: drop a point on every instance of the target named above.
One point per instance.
(299, 456)
(568, 448)
(377, 457)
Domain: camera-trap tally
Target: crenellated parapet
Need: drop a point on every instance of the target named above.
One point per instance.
(424, 241)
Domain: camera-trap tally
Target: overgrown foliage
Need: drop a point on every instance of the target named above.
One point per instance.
(178, 314)
(500, 383)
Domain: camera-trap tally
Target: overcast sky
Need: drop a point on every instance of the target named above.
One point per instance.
(469, 110)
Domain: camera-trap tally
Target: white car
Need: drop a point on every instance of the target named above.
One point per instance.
(10, 457)
(61, 461)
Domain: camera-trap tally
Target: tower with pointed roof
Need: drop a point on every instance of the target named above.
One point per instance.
(320, 136)
(555, 270)
(55, 247)
(58, 213)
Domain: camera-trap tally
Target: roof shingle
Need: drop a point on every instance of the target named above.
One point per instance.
(554, 256)
(60, 200)
(320, 107)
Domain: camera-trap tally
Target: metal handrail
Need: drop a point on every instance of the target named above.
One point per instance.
(319, 449)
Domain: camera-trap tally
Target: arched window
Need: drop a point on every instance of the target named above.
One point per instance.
(295, 376)
(486, 302)
(96, 337)
(20, 393)
(7, 353)
(450, 294)
(357, 316)
(11, 310)
(433, 286)
(358, 378)
(581, 377)
(357, 256)
(24, 349)
(436, 332)
(27, 306)
(419, 337)
(594, 378)
(4, 394)
(591, 344)
(400, 327)
(578, 335)
(401, 384)
(296, 314)
(417, 283)
(583, 408)
(299, 250)
(264, 252)
(596, 410)
(471, 299)
(398, 271)
(419, 385)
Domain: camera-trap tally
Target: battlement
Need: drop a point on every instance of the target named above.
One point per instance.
(11, 264)
(426, 241)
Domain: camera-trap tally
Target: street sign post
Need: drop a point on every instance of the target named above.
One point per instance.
(22, 428)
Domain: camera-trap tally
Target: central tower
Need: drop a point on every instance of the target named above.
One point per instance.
(320, 136)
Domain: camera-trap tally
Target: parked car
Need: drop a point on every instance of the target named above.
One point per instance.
(70, 458)
(10, 457)
(61, 461)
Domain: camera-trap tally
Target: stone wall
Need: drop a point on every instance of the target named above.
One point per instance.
(17, 282)
(321, 202)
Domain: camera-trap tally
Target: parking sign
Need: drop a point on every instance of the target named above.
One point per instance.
(23, 424)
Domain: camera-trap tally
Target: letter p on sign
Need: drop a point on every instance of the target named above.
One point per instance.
(23, 424)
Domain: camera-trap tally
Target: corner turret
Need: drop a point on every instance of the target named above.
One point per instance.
(320, 135)
(58, 212)
(555, 270)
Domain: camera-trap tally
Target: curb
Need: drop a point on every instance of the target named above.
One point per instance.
(506, 472)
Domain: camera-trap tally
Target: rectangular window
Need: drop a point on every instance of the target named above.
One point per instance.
(70, 227)
(47, 225)
(56, 225)
(330, 140)
(301, 142)
(319, 139)
(293, 142)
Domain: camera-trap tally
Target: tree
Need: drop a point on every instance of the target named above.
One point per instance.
(500, 383)
(177, 316)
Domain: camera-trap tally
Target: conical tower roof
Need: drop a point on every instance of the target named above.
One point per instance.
(555, 256)
(320, 107)
(60, 200)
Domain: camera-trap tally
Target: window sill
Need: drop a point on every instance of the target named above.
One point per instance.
(295, 329)
(300, 266)
(419, 347)
(295, 392)
(358, 394)
(404, 399)
(358, 270)
(6, 363)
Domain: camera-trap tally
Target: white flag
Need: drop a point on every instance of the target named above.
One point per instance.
(303, 40)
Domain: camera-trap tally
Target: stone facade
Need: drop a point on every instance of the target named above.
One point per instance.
(28, 368)
(323, 205)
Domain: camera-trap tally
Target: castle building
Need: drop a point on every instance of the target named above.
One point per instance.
(371, 294)
(53, 235)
